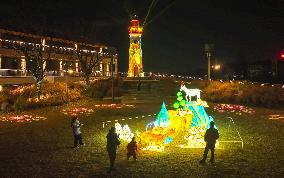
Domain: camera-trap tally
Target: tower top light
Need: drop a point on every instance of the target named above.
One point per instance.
(134, 28)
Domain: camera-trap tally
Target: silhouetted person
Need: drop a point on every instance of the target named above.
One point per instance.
(210, 138)
(132, 149)
(75, 125)
(139, 85)
(112, 143)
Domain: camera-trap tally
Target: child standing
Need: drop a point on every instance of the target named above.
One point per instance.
(132, 149)
(75, 125)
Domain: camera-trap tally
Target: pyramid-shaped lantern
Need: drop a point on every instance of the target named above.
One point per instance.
(162, 119)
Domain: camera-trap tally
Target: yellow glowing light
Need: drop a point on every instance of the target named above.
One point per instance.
(70, 71)
(202, 103)
(124, 132)
(154, 147)
(217, 67)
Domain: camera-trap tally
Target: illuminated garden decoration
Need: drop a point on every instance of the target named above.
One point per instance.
(163, 117)
(124, 132)
(135, 68)
(183, 126)
(187, 123)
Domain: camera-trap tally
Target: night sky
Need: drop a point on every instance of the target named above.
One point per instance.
(175, 31)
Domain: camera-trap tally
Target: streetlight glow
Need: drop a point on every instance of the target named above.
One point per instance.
(217, 67)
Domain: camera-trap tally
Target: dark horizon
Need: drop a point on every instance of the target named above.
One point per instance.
(173, 40)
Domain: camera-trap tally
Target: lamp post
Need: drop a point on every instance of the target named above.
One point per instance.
(275, 64)
(209, 66)
(209, 48)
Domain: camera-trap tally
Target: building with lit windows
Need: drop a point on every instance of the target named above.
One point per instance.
(63, 59)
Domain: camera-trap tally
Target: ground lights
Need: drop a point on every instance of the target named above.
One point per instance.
(76, 111)
(237, 109)
(22, 118)
(83, 110)
(114, 106)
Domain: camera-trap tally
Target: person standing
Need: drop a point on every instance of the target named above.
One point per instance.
(210, 138)
(112, 144)
(132, 149)
(139, 85)
(76, 127)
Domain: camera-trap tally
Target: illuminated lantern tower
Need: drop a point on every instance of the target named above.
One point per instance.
(135, 68)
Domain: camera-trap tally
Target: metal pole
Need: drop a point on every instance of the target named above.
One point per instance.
(209, 66)
(112, 51)
(112, 97)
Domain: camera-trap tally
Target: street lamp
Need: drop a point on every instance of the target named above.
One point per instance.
(217, 67)
(209, 48)
(275, 64)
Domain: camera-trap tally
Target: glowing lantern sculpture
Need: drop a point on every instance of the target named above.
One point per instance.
(135, 68)
(163, 117)
(189, 119)
(187, 124)
(124, 132)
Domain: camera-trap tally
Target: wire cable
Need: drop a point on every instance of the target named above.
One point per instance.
(159, 14)
(149, 10)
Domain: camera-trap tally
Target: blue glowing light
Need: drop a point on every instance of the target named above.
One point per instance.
(168, 140)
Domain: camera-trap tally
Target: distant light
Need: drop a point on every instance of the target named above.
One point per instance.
(217, 67)
(70, 71)
(282, 56)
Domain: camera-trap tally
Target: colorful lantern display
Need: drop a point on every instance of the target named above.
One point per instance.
(186, 123)
(189, 120)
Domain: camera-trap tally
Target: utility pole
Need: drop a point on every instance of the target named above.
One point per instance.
(209, 48)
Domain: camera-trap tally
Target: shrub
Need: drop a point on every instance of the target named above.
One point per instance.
(261, 96)
(221, 92)
(21, 103)
(52, 94)
(248, 94)
(102, 88)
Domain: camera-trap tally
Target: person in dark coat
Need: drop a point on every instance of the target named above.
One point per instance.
(139, 85)
(210, 138)
(76, 127)
(112, 144)
(132, 149)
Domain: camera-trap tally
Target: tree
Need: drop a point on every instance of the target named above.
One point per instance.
(36, 55)
(88, 61)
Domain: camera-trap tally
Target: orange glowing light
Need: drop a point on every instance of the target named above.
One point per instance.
(135, 28)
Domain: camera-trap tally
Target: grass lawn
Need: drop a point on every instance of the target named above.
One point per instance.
(43, 148)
